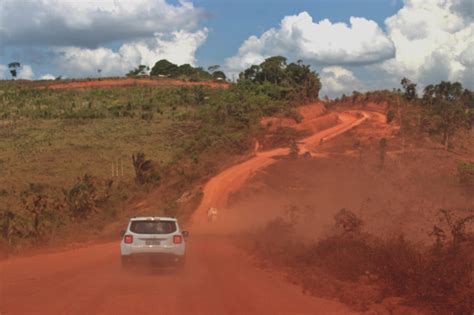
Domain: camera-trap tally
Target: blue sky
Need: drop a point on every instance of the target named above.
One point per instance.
(353, 44)
(233, 21)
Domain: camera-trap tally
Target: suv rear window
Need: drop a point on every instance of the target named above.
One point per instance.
(153, 227)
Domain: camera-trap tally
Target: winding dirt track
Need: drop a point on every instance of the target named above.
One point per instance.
(218, 278)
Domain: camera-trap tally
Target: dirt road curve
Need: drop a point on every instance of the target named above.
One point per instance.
(218, 278)
(218, 189)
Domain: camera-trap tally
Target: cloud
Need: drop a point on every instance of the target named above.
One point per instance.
(465, 8)
(47, 77)
(4, 72)
(433, 40)
(425, 41)
(321, 43)
(337, 80)
(178, 47)
(25, 72)
(90, 23)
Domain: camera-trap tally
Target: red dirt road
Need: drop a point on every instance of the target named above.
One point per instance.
(218, 277)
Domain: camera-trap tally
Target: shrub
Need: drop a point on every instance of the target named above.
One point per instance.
(439, 276)
(145, 170)
(294, 150)
(275, 241)
(43, 210)
(147, 116)
(390, 116)
(85, 197)
(466, 174)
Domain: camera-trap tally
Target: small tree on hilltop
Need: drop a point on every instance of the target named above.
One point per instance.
(410, 89)
(219, 75)
(445, 109)
(13, 66)
(213, 68)
(164, 67)
(140, 70)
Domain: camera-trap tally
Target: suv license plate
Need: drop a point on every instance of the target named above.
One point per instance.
(152, 242)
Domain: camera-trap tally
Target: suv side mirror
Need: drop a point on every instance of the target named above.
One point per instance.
(185, 233)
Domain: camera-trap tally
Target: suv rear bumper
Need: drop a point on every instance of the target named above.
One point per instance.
(154, 258)
(132, 249)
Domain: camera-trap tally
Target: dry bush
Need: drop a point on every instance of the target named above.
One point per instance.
(361, 270)
(294, 150)
(466, 175)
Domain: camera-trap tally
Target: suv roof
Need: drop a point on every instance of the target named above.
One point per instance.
(152, 218)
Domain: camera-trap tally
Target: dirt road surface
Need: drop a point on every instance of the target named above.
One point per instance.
(218, 277)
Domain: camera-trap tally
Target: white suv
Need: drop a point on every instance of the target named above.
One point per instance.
(156, 239)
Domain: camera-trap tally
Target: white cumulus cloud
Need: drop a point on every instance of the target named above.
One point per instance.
(434, 41)
(337, 80)
(323, 43)
(90, 23)
(178, 47)
(25, 72)
(75, 34)
(4, 73)
(425, 41)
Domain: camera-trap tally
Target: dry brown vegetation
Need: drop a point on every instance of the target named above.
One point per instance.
(406, 245)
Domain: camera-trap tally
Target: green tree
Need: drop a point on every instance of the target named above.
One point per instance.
(164, 67)
(252, 74)
(445, 109)
(213, 68)
(185, 70)
(140, 70)
(273, 69)
(410, 89)
(296, 80)
(219, 75)
(13, 66)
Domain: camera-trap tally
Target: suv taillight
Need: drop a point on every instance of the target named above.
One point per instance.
(128, 239)
(177, 239)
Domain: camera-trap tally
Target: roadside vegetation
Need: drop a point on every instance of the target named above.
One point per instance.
(441, 112)
(406, 249)
(72, 161)
(365, 272)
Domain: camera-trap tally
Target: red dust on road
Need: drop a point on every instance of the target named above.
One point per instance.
(218, 277)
